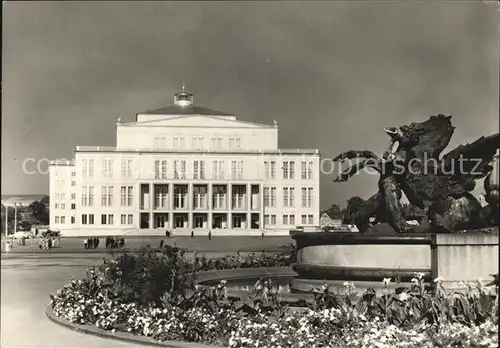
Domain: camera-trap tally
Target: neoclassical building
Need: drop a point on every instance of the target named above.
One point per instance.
(186, 167)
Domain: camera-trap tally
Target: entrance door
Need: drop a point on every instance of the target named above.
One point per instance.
(160, 221)
(198, 221)
(179, 222)
(217, 222)
(236, 221)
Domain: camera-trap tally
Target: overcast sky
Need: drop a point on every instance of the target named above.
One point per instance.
(331, 73)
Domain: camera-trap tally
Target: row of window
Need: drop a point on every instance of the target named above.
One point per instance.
(197, 143)
(108, 219)
(128, 219)
(181, 193)
(126, 196)
(288, 197)
(288, 219)
(199, 169)
(62, 206)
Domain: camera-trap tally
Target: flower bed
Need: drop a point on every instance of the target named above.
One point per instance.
(284, 258)
(154, 295)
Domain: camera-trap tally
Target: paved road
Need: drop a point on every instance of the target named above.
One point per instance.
(29, 277)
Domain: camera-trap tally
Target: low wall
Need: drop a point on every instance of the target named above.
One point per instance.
(455, 258)
(466, 257)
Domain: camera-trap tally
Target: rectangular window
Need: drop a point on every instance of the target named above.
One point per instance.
(292, 220)
(273, 219)
(84, 219)
(73, 196)
(161, 196)
(310, 219)
(123, 219)
(240, 170)
(129, 195)
(91, 196)
(285, 219)
(309, 197)
(273, 169)
(73, 206)
(267, 169)
(126, 168)
(199, 169)
(304, 219)
(85, 196)
(233, 170)
(160, 169)
(180, 169)
(197, 143)
(273, 197)
(310, 170)
(218, 169)
(123, 196)
(73, 183)
(237, 143)
(304, 197)
(180, 197)
(103, 219)
(91, 168)
(288, 170)
(107, 168)
(266, 220)
(130, 219)
(285, 197)
(73, 219)
(266, 197)
(57, 219)
(91, 219)
(231, 143)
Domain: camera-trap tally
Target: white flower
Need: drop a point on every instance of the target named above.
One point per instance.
(386, 281)
(403, 296)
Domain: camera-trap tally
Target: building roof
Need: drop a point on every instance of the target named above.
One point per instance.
(184, 105)
(185, 110)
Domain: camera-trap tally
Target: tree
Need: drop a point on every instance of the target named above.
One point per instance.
(354, 205)
(334, 212)
(39, 212)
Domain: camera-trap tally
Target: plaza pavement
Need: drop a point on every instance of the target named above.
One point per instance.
(29, 277)
(216, 244)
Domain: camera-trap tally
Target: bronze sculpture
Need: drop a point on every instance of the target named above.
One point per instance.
(439, 186)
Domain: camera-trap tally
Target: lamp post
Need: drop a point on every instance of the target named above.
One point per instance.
(6, 219)
(17, 204)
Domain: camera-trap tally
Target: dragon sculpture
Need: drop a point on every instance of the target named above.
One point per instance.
(438, 186)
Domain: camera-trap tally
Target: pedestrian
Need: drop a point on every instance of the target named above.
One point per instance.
(192, 233)
(85, 243)
(122, 242)
(209, 235)
(161, 244)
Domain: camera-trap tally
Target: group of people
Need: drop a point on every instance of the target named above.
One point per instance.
(115, 242)
(48, 243)
(91, 243)
(111, 242)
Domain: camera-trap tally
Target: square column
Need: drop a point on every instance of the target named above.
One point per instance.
(171, 206)
(189, 203)
(210, 205)
(263, 208)
(151, 205)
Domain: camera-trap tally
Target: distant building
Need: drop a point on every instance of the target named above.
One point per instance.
(186, 167)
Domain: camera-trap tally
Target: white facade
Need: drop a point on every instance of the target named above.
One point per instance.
(187, 167)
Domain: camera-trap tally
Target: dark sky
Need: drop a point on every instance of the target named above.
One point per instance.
(331, 73)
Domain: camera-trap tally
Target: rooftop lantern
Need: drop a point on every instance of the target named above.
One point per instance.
(183, 98)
